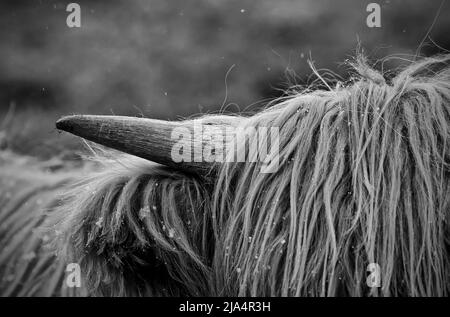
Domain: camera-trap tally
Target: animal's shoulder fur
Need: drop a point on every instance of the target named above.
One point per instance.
(125, 221)
(28, 188)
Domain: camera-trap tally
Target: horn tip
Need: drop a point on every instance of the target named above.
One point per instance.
(67, 123)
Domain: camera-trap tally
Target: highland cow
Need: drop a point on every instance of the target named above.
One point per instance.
(362, 178)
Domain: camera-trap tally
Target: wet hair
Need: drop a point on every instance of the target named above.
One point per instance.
(363, 178)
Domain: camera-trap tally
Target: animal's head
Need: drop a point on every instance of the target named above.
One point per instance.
(361, 176)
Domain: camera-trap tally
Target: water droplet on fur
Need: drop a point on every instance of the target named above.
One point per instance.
(171, 233)
(238, 270)
(283, 241)
(144, 212)
(29, 256)
(99, 222)
(154, 207)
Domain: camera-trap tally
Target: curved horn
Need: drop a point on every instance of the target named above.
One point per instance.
(147, 138)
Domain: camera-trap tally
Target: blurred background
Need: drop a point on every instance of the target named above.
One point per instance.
(172, 59)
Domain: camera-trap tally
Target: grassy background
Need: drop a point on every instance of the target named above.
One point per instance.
(170, 59)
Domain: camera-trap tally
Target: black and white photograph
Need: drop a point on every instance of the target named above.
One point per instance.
(203, 150)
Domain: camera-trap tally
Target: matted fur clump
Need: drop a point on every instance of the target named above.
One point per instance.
(363, 178)
(136, 229)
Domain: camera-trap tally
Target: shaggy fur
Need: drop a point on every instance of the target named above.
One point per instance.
(363, 178)
(27, 266)
(137, 229)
